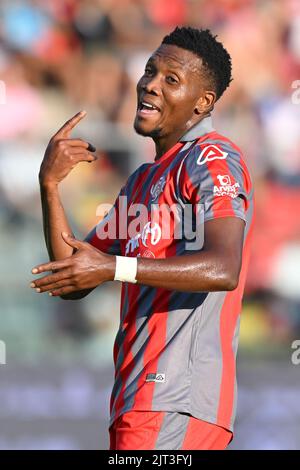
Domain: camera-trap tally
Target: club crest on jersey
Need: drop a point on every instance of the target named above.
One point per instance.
(226, 187)
(157, 188)
(210, 153)
(157, 378)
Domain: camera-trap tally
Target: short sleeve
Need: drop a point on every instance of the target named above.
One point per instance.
(215, 176)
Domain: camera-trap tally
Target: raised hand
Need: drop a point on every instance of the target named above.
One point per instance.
(85, 269)
(63, 153)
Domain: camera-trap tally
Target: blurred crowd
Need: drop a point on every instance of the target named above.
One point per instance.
(60, 56)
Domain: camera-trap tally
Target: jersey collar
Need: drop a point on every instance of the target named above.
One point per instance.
(198, 130)
(201, 128)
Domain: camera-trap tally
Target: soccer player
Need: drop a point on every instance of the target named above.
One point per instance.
(175, 350)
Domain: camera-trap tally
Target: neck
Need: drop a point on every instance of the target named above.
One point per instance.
(164, 143)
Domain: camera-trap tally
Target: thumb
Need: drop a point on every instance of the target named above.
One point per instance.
(70, 240)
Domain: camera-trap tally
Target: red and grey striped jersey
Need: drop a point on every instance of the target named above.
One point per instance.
(176, 351)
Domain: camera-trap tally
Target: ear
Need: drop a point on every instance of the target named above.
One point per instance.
(205, 103)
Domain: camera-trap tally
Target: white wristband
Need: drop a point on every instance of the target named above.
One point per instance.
(126, 269)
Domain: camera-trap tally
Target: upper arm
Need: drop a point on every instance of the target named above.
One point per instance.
(221, 185)
(223, 237)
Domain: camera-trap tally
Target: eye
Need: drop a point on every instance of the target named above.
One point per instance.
(148, 71)
(171, 79)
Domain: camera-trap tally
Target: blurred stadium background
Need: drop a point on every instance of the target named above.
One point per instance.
(60, 56)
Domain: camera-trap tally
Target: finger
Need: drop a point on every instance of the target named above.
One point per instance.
(63, 291)
(84, 157)
(53, 286)
(77, 151)
(66, 129)
(91, 148)
(80, 150)
(77, 156)
(70, 240)
(50, 279)
(80, 143)
(64, 263)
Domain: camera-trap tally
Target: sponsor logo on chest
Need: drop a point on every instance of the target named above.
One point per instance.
(150, 236)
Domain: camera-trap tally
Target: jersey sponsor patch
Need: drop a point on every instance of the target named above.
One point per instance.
(132, 244)
(226, 187)
(210, 153)
(157, 378)
(151, 234)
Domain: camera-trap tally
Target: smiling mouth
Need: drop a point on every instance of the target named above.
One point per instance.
(147, 109)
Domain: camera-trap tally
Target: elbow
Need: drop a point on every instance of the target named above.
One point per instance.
(72, 296)
(229, 273)
(229, 280)
(69, 297)
(76, 295)
(220, 281)
(231, 283)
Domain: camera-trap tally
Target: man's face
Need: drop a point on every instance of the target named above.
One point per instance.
(168, 91)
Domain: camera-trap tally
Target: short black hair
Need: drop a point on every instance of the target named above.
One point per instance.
(215, 58)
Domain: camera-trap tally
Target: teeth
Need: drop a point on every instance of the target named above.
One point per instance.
(147, 105)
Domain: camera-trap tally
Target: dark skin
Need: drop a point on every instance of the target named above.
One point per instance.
(173, 82)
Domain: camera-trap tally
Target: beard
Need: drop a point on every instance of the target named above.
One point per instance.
(154, 133)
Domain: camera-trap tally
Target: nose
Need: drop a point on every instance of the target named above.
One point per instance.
(152, 85)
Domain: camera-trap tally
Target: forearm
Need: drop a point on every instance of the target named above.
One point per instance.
(215, 268)
(54, 222)
(205, 271)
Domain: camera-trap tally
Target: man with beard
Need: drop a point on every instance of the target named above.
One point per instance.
(174, 354)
